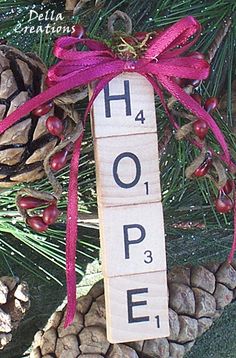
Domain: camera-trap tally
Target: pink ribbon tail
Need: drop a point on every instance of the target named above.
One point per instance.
(71, 232)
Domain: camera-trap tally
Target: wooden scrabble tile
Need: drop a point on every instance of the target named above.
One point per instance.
(125, 106)
(127, 170)
(132, 239)
(137, 307)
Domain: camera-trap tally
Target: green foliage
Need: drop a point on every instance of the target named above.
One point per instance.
(17, 241)
(184, 200)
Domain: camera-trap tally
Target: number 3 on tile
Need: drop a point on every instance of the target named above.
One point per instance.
(148, 255)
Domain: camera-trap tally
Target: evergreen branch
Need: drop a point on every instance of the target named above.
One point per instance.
(218, 39)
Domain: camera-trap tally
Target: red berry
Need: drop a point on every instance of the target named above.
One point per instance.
(197, 97)
(48, 82)
(141, 35)
(78, 31)
(200, 128)
(228, 187)
(223, 203)
(195, 83)
(211, 104)
(204, 167)
(197, 55)
(50, 214)
(55, 126)
(29, 202)
(180, 81)
(58, 160)
(201, 170)
(43, 109)
(37, 223)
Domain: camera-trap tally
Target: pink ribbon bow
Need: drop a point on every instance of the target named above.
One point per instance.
(162, 60)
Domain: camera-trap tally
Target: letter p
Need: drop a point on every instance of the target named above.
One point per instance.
(128, 241)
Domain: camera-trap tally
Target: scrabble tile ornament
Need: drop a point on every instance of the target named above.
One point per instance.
(130, 210)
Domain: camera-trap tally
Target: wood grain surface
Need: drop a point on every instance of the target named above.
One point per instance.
(130, 210)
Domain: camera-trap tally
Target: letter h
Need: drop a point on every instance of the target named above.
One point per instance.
(125, 96)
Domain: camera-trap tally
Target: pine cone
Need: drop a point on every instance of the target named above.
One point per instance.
(197, 296)
(14, 302)
(76, 5)
(24, 146)
(71, 4)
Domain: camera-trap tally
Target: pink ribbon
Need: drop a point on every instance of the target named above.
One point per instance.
(163, 59)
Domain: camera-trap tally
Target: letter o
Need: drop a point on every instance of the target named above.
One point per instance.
(115, 170)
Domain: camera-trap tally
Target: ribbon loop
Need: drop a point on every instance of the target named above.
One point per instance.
(175, 36)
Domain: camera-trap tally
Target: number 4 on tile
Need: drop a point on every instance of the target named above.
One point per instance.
(140, 117)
